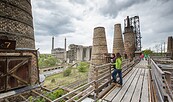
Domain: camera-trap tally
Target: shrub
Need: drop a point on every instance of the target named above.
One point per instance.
(56, 94)
(83, 67)
(67, 72)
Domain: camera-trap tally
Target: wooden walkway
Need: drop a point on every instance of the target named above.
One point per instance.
(135, 86)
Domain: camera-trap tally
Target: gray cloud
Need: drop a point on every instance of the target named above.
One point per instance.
(113, 7)
(51, 19)
(78, 1)
(75, 18)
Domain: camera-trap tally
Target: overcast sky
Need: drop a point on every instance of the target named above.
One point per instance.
(76, 19)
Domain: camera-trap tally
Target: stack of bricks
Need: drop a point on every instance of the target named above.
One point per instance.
(16, 22)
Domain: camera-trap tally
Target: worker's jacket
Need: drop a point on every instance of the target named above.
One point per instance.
(118, 63)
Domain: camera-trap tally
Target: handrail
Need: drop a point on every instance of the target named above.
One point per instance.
(160, 71)
(62, 97)
(96, 84)
(169, 90)
(163, 91)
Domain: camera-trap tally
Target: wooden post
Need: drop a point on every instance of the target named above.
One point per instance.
(110, 67)
(95, 79)
(168, 77)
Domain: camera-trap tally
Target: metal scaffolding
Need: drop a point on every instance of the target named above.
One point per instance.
(134, 21)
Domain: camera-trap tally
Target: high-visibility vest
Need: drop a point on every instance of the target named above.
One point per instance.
(118, 63)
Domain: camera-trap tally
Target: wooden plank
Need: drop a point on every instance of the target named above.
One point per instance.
(17, 91)
(46, 89)
(113, 92)
(23, 97)
(145, 96)
(137, 92)
(125, 79)
(123, 90)
(49, 100)
(6, 100)
(131, 89)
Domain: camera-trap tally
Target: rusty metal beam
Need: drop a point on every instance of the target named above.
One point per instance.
(20, 79)
(18, 65)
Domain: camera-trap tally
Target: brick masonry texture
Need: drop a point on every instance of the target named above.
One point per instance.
(16, 22)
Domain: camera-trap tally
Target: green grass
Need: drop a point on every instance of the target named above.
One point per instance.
(60, 80)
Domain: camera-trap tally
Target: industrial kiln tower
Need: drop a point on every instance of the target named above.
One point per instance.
(118, 45)
(16, 22)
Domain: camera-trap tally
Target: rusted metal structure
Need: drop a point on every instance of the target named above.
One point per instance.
(18, 68)
(16, 22)
(118, 45)
(134, 21)
(129, 39)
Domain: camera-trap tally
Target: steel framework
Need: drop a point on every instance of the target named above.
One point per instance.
(134, 21)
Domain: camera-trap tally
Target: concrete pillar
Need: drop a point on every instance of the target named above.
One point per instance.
(88, 53)
(99, 49)
(129, 40)
(169, 44)
(80, 53)
(118, 45)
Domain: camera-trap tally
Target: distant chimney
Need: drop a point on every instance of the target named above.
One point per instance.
(65, 45)
(128, 21)
(65, 53)
(52, 43)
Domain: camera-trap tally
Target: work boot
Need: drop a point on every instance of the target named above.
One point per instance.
(119, 85)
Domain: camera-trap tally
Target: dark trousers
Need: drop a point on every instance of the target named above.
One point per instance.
(114, 74)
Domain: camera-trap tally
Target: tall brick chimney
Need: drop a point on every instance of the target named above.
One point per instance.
(118, 45)
(16, 22)
(129, 40)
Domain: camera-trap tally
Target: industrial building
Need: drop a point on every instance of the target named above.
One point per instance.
(74, 53)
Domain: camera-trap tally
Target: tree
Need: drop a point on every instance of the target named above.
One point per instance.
(147, 51)
(47, 61)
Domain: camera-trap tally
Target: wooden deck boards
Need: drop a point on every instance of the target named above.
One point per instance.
(135, 86)
(131, 89)
(111, 95)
